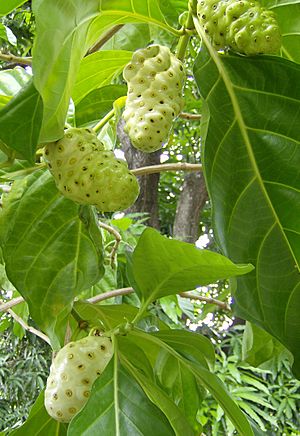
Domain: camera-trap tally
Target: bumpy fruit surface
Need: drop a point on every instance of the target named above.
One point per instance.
(88, 174)
(245, 26)
(72, 374)
(155, 80)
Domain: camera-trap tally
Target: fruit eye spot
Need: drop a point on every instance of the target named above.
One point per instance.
(63, 377)
(72, 161)
(92, 355)
(88, 195)
(152, 120)
(86, 394)
(103, 347)
(70, 356)
(159, 60)
(84, 168)
(69, 393)
(171, 74)
(59, 414)
(80, 367)
(85, 381)
(72, 410)
(82, 148)
(161, 102)
(60, 148)
(55, 396)
(98, 372)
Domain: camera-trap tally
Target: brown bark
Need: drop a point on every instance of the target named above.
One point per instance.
(148, 199)
(190, 203)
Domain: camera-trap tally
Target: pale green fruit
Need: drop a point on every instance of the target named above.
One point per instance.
(155, 80)
(244, 26)
(72, 374)
(88, 174)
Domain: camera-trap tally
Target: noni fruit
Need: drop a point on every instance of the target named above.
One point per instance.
(88, 174)
(155, 79)
(72, 374)
(244, 26)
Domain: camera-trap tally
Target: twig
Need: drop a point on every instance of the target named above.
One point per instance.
(104, 120)
(4, 307)
(208, 300)
(28, 327)
(106, 37)
(188, 116)
(166, 167)
(118, 239)
(15, 59)
(110, 294)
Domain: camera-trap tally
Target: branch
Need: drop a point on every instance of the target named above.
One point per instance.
(4, 307)
(15, 59)
(188, 116)
(117, 237)
(208, 300)
(166, 167)
(27, 327)
(106, 37)
(110, 294)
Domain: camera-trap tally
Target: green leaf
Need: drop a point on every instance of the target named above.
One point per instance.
(208, 379)
(50, 254)
(191, 345)
(180, 385)
(57, 52)
(259, 346)
(6, 6)
(97, 104)
(287, 14)
(110, 315)
(118, 406)
(164, 266)
(39, 423)
(114, 12)
(253, 182)
(20, 122)
(176, 418)
(129, 37)
(11, 81)
(98, 70)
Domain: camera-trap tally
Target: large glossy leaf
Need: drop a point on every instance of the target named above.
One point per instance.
(207, 378)
(20, 122)
(39, 423)
(60, 44)
(97, 70)
(9, 5)
(119, 407)
(50, 254)
(287, 14)
(162, 13)
(252, 168)
(163, 266)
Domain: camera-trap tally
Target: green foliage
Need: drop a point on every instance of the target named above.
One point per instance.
(23, 371)
(269, 394)
(58, 253)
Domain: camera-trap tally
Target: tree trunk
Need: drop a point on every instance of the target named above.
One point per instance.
(191, 201)
(148, 199)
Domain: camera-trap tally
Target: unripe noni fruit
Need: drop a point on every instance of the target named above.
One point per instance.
(72, 374)
(244, 26)
(88, 174)
(155, 79)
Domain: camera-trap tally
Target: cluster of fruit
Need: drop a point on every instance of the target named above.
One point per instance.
(242, 25)
(72, 374)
